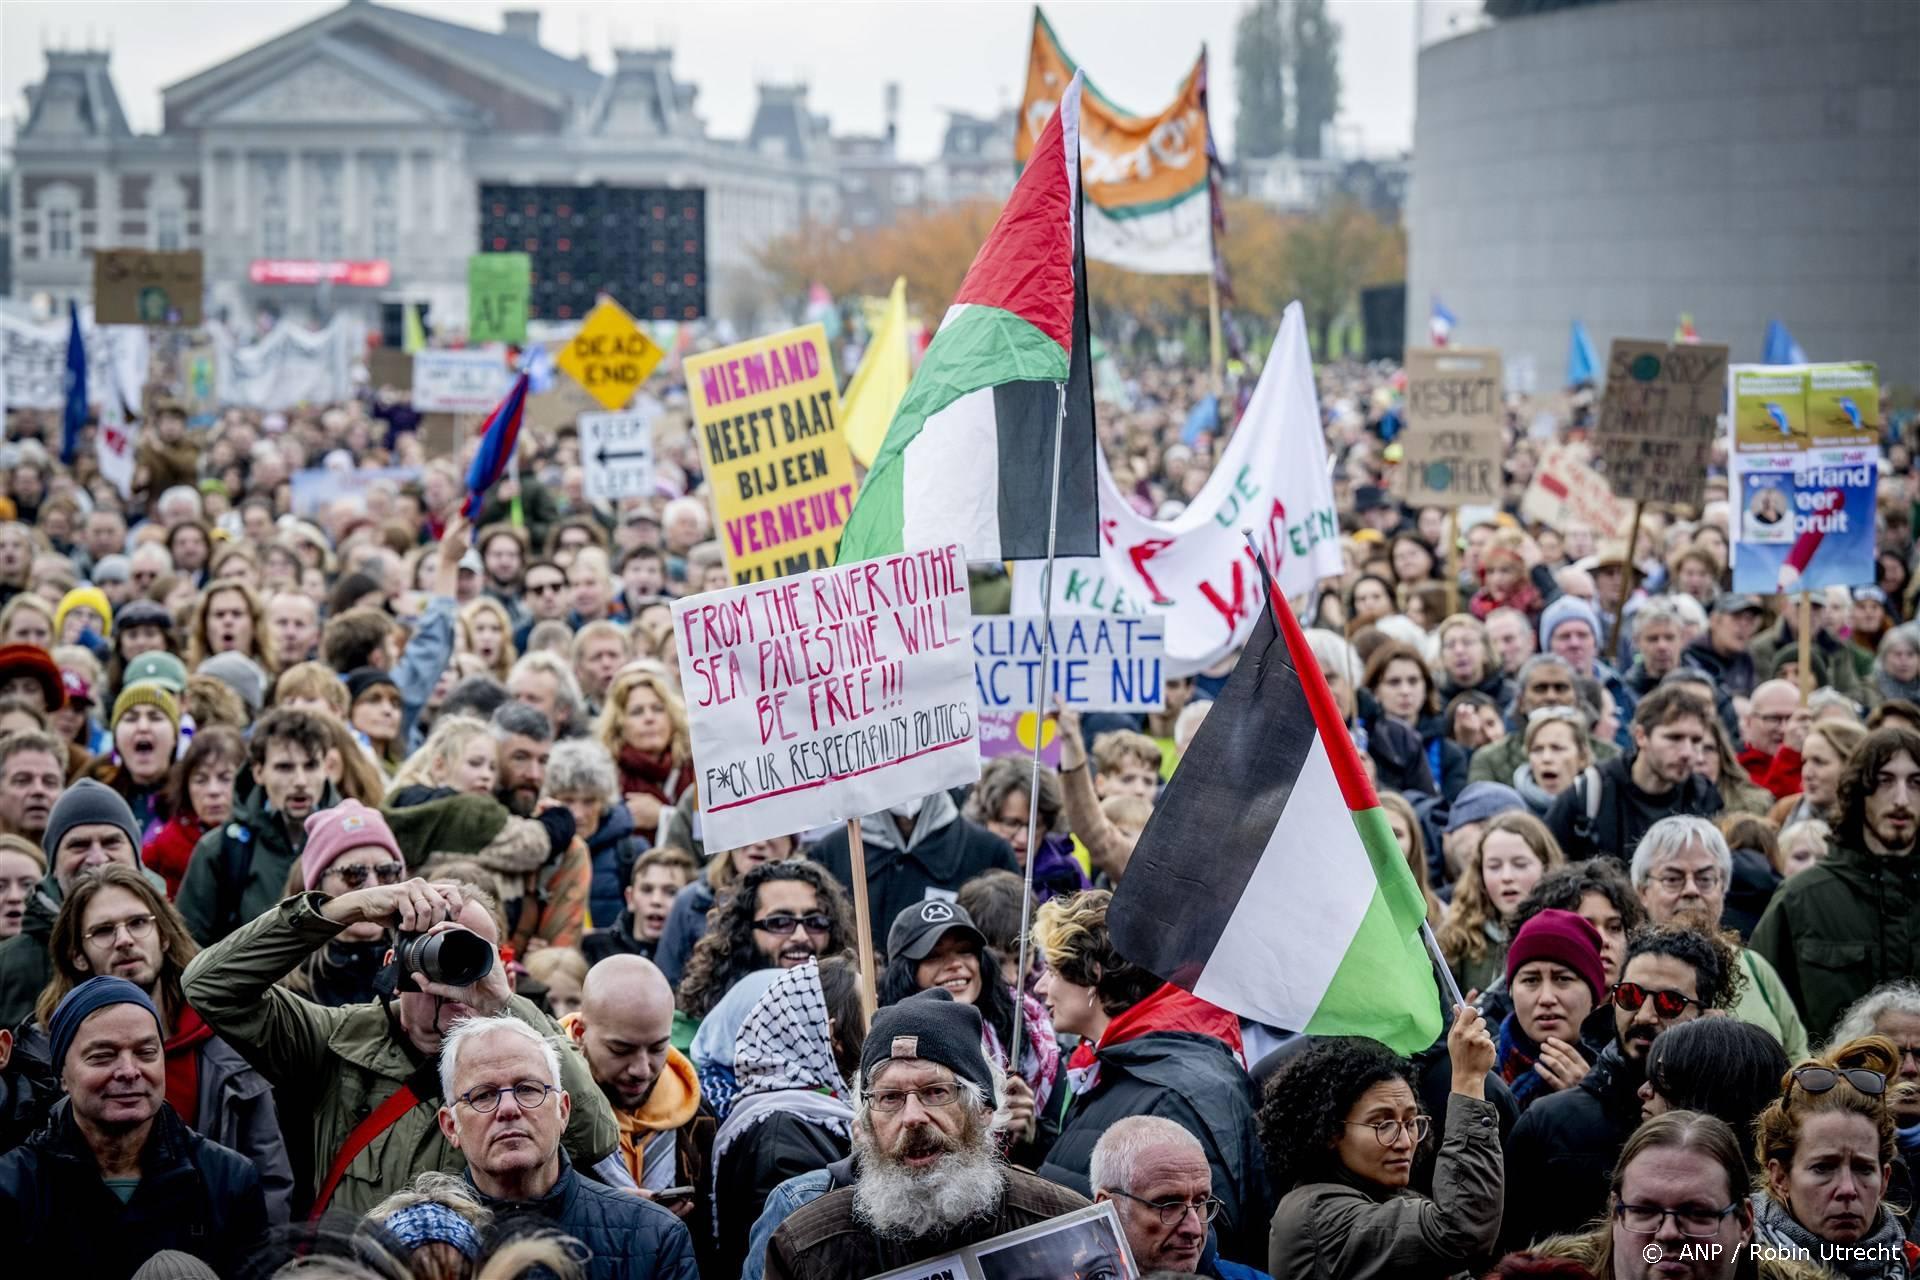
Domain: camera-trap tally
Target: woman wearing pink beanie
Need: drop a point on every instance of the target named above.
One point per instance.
(1556, 978)
(350, 847)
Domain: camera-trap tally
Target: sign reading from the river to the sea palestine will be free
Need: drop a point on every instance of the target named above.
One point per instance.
(767, 413)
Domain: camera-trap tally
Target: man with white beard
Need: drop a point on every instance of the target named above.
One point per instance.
(930, 1179)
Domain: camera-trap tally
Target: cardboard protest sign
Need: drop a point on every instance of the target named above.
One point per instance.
(1566, 491)
(610, 356)
(147, 287)
(459, 381)
(390, 367)
(1657, 419)
(828, 695)
(1099, 663)
(1087, 1242)
(616, 455)
(1453, 443)
(767, 415)
(498, 285)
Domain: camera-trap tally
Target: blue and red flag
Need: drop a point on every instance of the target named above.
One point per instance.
(73, 415)
(501, 433)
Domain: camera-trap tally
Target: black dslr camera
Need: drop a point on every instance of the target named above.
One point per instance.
(454, 957)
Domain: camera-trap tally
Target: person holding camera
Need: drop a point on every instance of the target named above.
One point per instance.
(366, 1075)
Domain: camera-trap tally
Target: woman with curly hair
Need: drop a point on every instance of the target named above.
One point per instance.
(1827, 1142)
(1516, 849)
(782, 915)
(1341, 1124)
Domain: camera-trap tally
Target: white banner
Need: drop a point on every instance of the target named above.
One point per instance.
(828, 695)
(1195, 570)
(1098, 663)
(460, 381)
(114, 444)
(289, 367)
(33, 360)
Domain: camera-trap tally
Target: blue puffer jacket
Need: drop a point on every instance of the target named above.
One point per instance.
(628, 1238)
(614, 847)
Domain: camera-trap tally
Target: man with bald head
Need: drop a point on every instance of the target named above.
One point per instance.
(624, 1028)
(1776, 730)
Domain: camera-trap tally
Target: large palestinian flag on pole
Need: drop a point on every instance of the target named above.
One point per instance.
(969, 455)
(1267, 881)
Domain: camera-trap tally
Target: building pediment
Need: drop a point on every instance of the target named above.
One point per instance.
(329, 84)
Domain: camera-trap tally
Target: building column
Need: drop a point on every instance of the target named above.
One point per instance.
(241, 197)
(209, 197)
(350, 198)
(403, 193)
(296, 202)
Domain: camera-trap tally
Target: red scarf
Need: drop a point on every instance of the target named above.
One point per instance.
(652, 773)
(1168, 1009)
(183, 1064)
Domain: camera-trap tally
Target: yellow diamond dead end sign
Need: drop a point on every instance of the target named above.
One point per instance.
(610, 356)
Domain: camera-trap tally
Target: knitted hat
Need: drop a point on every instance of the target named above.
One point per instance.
(113, 568)
(143, 613)
(1564, 938)
(171, 1264)
(241, 674)
(31, 660)
(362, 680)
(85, 598)
(86, 1000)
(84, 803)
(158, 668)
(929, 1026)
(1567, 609)
(347, 826)
(1482, 801)
(147, 693)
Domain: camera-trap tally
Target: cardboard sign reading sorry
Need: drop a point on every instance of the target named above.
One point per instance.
(1658, 418)
(1453, 443)
(767, 414)
(136, 286)
(828, 695)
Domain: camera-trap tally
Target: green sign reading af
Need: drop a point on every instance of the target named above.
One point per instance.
(497, 289)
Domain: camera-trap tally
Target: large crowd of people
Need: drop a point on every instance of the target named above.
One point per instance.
(357, 920)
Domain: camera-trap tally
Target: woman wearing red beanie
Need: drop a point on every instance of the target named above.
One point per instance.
(1557, 978)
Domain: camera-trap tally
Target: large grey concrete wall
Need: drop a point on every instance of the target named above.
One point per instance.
(1735, 159)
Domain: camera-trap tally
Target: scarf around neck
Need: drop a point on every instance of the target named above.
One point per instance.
(1883, 1254)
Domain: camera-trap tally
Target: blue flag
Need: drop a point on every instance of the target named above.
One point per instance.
(1780, 346)
(73, 419)
(500, 434)
(1204, 416)
(1581, 366)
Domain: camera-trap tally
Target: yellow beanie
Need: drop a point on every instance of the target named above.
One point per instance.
(84, 598)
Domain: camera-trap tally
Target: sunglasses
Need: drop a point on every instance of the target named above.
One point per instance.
(1822, 1079)
(545, 588)
(783, 923)
(355, 876)
(1668, 1004)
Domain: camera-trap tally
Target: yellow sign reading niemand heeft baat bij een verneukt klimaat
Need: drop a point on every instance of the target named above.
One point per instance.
(767, 413)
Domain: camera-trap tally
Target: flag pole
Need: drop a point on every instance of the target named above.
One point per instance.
(1215, 358)
(862, 917)
(1451, 989)
(1039, 721)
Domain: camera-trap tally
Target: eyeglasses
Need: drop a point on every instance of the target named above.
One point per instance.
(1388, 1131)
(545, 588)
(1647, 1219)
(528, 1095)
(1173, 1212)
(1673, 881)
(1822, 1079)
(384, 873)
(138, 928)
(782, 923)
(931, 1097)
(1668, 1004)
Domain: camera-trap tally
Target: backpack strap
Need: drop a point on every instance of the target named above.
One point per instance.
(381, 1119)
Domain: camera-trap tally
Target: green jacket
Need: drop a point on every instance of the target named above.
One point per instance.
(1764, 1003)
(257, 841)
(335, 1066)
(1841, 928)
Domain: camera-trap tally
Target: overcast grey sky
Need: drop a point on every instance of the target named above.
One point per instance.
(944, 53)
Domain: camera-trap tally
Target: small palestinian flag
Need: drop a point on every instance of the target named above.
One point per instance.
(1267, 881)
(968, 457)
(498, 436)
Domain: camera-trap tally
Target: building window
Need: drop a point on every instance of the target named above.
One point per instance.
(167, 229)
(383, 176)
(273, 206)
(329, 218)
(60, 241)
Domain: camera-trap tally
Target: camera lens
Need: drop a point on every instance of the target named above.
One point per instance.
(456, 957)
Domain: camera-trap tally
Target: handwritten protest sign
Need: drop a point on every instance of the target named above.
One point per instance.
(140, 286)
(459, 381)
(1453, 443)
(828, 695)
(610, 356)
(767, 414)
(498, 285)
(1658, 418)
(1566, 491)
(1100, 663)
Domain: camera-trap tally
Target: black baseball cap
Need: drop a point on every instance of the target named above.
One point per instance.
(1735, 602)
(918, 930)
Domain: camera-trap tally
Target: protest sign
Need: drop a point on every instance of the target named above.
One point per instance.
(1843, 405)
(1453, 444)
(616, 455)
(1195, 571)
(1099, 663)
(289, 367)
(115, 445)
(140, 286)
(459, 381)
(1657, 419)
(1566, 491)
(828, 695)
(390, 367)
(498, 285)
(610, 356)
(1769, 409)
(1086, 1242)
(1011, 733)
(314, 487)
(767, 415)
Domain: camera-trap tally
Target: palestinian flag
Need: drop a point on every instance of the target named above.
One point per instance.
(498, 435)
(968, 457)
(1267, 881)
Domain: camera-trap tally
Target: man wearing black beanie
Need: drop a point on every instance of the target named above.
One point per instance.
(930, 1178)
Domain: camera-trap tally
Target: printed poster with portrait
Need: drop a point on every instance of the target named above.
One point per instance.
(1087, 1244)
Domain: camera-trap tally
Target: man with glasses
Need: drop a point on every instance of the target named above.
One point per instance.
(362, 1078)
(1682, 869)
(506, 1106)
(1560, 1157)
(928, 1176)
(1157, 1176)
(1660, 778)
(547, 599)
(1545, 680)
(1776, 730)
